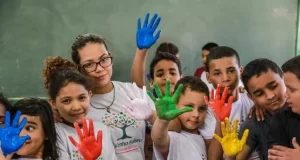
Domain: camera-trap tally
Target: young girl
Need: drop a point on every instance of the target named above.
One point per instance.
(69, 94)
(39, 127)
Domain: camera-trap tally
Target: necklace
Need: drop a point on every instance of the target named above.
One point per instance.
(108, 107)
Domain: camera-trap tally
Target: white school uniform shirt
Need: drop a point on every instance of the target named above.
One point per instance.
(240, 110)
(128, 134)
(184, 146)
(67, 151)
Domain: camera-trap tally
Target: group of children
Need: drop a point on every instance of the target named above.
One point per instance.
(178, 119)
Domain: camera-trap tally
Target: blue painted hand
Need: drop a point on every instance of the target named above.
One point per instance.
(9, 135)
(144, 36)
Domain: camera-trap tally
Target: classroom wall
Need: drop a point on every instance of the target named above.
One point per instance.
(32, 30)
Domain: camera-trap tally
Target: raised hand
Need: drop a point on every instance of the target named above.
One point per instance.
(139, 107)
(230, 143)
(217, 103)
(9, 135)
(166, 105)
(144, 36)
(89, 147)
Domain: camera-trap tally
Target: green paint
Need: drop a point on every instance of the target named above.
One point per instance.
(298, 31)
(166, 108)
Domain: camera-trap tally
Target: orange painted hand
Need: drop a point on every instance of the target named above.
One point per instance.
(218, 105)
(230, 143)
(88, 146)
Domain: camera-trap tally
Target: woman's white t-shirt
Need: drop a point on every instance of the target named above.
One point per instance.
(128, 134)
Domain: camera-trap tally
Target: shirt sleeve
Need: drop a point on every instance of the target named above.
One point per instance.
(277, 134)
(62, 143)
(252, 139)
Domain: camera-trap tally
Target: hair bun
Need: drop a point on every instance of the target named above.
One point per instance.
(54, 64)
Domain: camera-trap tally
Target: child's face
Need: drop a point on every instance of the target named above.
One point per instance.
(94, 52)
(267, 91)
(224, 71)
(73, 102)
(204, 55)
(2, 114)
(292, 91)
(191, 121)
(163, 70)
(34, 147)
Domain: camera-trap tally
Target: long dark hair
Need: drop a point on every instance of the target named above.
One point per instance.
(41, 108)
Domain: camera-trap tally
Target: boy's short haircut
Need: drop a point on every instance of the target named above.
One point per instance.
(167, 47)
(163, 56)
(194, 84)
(257, 67)
(5, 102)
(209, 46)
(221, 52)
(293, 66)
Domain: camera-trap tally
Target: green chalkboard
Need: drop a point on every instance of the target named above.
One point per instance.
(31, 30)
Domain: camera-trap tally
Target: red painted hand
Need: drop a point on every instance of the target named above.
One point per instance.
(89, 147)
(217, 103)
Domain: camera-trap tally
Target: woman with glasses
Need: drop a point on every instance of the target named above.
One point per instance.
(107, 105)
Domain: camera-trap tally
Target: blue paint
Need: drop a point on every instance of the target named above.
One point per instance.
(9, 135)
(144, 36)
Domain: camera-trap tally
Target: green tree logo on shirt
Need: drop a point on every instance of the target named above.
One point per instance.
(121, 121)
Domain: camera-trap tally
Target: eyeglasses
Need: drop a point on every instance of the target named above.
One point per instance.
(92, 66)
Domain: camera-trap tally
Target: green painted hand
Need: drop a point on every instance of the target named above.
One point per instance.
(166, 108)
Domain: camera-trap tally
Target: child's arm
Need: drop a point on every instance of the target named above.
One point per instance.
(252, 140)
(166, 111)
(139, 67)
(214, 148)
(144, 40)
(160, 136)
(221, 110)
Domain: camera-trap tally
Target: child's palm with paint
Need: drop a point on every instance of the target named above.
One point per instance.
(230, 143)
(144, 35)
(89, 147)
(166, 108)
(218, 105)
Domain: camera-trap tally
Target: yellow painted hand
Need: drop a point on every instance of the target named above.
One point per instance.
(230, 143)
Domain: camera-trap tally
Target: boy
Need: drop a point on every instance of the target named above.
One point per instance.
(223, 67)
(200, 72)
(170, 144)
(163, 66)
(263, 81)
(284, 133)
(166, 66)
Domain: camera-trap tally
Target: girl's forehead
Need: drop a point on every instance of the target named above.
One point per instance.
(35, 119)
